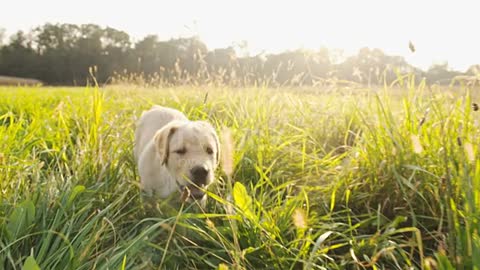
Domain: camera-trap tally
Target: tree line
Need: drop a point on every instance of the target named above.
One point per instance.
(64, 54)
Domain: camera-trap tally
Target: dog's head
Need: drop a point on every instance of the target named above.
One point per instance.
(190, 151)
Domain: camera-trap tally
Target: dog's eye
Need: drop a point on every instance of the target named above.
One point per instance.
(209, 150)
(181, 151)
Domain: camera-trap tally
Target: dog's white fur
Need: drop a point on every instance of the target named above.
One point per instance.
(169, 148)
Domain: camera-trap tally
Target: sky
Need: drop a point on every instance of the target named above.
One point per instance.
(440, 30)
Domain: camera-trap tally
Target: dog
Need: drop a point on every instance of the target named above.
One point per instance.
(175, 154)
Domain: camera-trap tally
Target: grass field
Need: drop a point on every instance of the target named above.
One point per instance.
(337, 179)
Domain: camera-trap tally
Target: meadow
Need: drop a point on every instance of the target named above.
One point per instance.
(336, 178)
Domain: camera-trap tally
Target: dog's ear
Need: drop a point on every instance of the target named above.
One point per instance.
(217, 143)
(162, 140)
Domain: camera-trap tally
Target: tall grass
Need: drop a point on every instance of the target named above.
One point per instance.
(364, 179)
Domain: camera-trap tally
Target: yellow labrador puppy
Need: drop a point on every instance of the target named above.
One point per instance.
(175, 154)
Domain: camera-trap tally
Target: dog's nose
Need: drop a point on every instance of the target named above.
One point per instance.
(199, 175)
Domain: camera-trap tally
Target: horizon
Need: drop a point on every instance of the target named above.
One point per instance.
(441, 35)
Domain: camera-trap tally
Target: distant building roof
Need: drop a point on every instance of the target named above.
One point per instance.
(9, 80)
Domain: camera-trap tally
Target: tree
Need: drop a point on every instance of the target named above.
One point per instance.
(373, 66)
(63, 54)
(473, 70)
(18, 57)
(55, 46)
(440, 73)
(2, 36)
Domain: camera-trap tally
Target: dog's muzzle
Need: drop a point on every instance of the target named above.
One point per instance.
(192, 191)
(199, 175)
(199, 178)
(195, 192)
